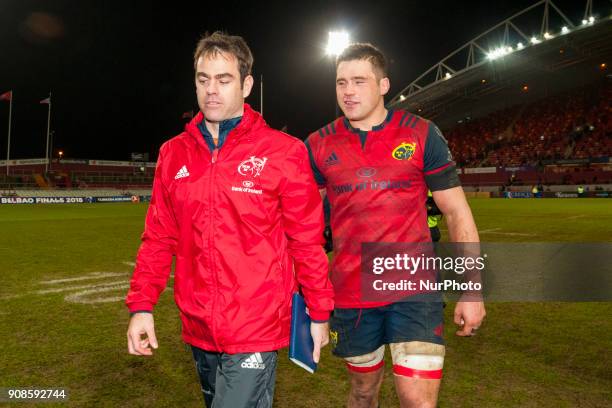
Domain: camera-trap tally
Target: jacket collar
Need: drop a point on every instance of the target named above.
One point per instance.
(225, 127)
(251, 121)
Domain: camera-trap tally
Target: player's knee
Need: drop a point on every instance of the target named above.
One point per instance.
(367, 363)
(366, 378)
(418, 359)
(362, 397)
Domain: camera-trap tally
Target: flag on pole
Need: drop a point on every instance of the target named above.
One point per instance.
(47, 101)
(8, 96)
(187, 115)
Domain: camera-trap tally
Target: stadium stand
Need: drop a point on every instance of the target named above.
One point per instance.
(78, 174)
(525, 113)
(573, 125)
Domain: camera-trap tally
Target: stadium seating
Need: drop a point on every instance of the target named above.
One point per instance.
(572, 125)
(77, 176)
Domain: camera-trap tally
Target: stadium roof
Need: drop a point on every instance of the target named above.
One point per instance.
(496, 72)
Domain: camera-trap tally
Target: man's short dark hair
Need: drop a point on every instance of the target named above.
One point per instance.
(218, 42)
(365, 51)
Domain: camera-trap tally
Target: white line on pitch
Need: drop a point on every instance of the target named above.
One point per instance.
(520, 234)
(94, 275)
(77, 297)
(6, 297)
(68, 288)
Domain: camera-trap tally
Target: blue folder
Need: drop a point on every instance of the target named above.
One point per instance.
(301, 345)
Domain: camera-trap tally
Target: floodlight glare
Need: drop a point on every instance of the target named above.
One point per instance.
(564, 30)
(520, 46)
(591, 19)
(448, 75)
(402, 98)
(547, 35)
(499, 52)
(337, 42)
(534, 40)
(585, 22)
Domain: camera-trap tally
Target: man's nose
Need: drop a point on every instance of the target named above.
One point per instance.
(349, 89)
(212, 88)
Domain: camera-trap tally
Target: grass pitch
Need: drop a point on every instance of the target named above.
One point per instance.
(62, 323)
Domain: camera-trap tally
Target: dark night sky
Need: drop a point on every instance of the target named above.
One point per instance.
(121, 72)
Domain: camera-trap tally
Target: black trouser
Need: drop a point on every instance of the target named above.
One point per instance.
(435, 234)
(244, 380)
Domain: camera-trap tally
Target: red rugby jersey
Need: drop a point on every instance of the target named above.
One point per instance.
(377, 183)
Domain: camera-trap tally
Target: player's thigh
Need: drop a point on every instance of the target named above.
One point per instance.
(417, 369)
(414, 332)
(355, 332)
(419, 320)
(415, 337)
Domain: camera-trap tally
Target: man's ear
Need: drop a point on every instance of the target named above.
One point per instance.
(247, 86)
(385, 85)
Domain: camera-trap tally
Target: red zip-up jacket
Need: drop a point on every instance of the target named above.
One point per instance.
(244, 222)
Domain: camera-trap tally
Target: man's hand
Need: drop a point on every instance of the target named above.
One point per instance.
(320, 337)
(141, 323)
(469, 316)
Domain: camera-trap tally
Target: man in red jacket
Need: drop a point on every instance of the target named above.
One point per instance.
(236, 203)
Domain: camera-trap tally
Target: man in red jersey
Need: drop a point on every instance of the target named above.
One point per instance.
(376, 166)
(236, 203)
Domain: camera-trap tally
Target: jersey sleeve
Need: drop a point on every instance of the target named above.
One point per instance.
(319, 177)
(438, 165)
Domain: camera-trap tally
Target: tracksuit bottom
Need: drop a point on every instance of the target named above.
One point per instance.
(244, 380)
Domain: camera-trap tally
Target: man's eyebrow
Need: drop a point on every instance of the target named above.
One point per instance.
(352, 78)
(218, 76)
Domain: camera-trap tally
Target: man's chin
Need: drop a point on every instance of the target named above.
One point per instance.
(213, 117)
(353, 116)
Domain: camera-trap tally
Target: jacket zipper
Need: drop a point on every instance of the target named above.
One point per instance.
(211, 186)
(213, 160)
